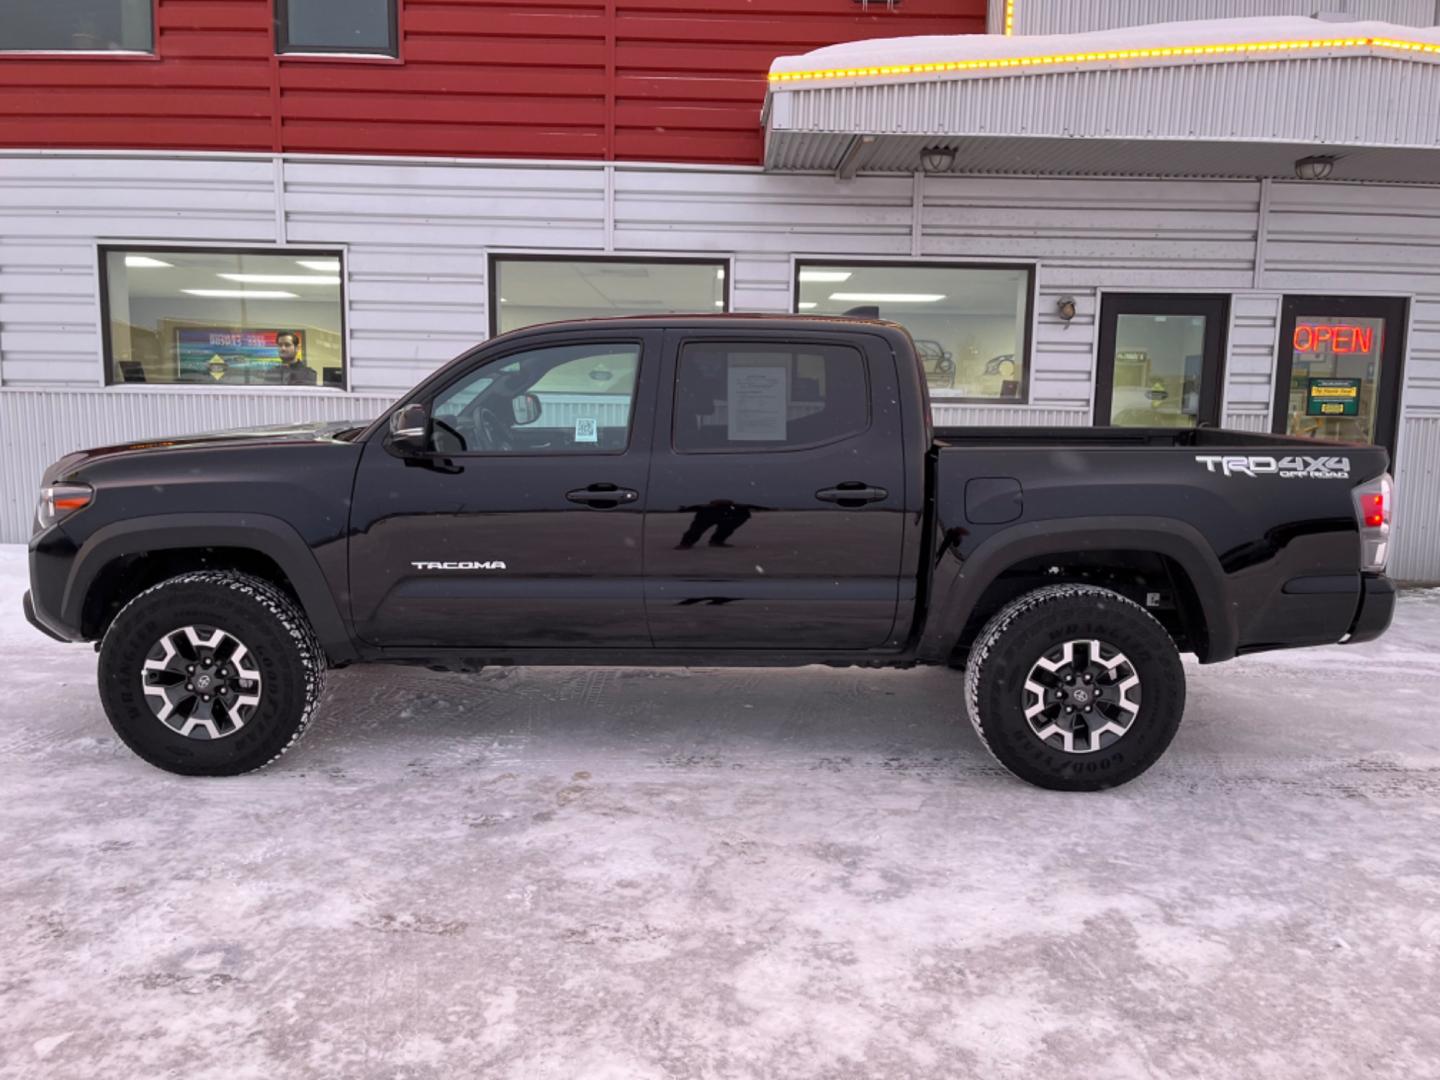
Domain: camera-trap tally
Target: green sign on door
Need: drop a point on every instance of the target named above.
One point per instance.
(1333, 397)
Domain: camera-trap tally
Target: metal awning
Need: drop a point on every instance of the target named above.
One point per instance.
(1240, 97)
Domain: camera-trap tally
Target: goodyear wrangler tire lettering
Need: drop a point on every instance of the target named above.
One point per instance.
(1033, 631)
(283, 653)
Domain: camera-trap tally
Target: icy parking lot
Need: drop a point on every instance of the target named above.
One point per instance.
(642, 873)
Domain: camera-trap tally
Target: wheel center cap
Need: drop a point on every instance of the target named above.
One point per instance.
(203, 682)
(1081, 695)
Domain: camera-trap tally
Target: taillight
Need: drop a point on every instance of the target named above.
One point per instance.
(1373, 503)
(59, 501)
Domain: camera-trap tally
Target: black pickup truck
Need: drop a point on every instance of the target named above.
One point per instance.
(703, 490)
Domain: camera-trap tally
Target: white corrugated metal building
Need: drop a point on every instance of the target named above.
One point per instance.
(1109, 178)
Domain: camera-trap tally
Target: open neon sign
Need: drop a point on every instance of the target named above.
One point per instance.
(1334, 339)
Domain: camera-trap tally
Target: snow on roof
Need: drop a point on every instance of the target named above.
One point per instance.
(968, 48)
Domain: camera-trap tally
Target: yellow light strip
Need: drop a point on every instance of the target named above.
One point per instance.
(1154, 53)
(1009, 17)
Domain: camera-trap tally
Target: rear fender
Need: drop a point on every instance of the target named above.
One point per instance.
(960, 583)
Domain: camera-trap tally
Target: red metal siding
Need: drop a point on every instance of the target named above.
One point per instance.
(629, 79)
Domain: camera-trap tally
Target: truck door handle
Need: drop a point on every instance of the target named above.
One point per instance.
(602, 496)
(852, 493)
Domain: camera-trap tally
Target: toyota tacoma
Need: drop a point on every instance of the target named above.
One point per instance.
(703, 490)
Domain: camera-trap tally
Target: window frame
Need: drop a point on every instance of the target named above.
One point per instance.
(152, 53)
(283, 47)
(1031, 269)
(104, 248)
(492, 277)
(774, 344)
(1218, 311)
(638, 341)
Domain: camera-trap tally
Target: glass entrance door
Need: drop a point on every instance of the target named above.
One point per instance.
(1339, 368)
(1161, 358)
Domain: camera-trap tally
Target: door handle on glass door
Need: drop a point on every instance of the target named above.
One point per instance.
(851, 493)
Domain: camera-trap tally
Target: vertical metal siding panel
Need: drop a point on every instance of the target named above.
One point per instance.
(37, 427)
(1247, 421)
(1416, 552)
(1070, 17)
(958, 415)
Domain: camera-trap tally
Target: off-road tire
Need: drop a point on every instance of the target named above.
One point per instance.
(281, 643)
(1025, 630)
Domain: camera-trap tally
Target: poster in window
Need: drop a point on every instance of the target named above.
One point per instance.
(228, 355)
(1332, 397)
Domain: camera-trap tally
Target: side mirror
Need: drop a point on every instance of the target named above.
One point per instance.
(410, 430)
(526, 408)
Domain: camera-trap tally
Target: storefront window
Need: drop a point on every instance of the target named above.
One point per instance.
(970, 324)
(1334, 376)
(223, 318)
(75, 26)
(528, 289)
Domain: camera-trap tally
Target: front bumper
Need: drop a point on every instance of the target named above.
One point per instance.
(52, 555)
(1377, 607)
(34, 620)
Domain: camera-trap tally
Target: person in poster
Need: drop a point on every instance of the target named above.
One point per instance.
(292, 370)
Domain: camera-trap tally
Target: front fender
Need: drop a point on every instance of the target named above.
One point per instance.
(270, 536)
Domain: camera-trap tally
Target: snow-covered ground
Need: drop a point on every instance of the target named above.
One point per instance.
(696, 873)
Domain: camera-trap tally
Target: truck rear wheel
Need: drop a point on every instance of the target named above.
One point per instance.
(212, 673)
(1075, 688)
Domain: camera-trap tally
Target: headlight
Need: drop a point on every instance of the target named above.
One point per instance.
(59, 501)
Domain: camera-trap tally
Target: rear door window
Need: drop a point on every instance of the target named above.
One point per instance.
(748, 396)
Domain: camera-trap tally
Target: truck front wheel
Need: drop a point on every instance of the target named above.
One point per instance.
(1075, 688)
(211, 673)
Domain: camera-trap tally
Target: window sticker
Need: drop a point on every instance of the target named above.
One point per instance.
(758, 401)
(586, 429)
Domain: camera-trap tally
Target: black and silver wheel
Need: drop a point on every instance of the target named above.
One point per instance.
(210, 673)
(1074, 687)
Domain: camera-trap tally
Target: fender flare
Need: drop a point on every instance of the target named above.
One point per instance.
(958, 587)
(270, 536)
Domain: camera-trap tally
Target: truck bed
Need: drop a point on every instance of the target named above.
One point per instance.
(1092, 437)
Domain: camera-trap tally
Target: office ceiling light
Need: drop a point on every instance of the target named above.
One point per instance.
(807, 305)
(888, 297)
(144, 262)
(832, 276)
(1315, 168)
(281, 279)
(937, 159)
(330, 265)
(243, 294)
(1268, 50)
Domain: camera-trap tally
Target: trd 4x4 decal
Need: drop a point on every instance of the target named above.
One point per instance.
(1287, 468)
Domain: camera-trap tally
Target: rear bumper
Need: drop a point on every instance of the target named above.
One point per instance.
(1377, 607)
